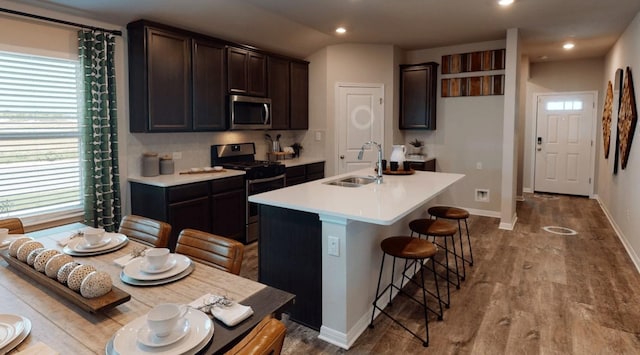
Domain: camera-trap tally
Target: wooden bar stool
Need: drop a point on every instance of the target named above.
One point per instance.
(445, 230)
(456, 214)
(414, 249)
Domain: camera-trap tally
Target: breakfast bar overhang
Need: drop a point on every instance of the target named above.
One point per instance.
(340, 228)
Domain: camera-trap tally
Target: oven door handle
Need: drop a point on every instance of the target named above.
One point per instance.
(258, 181)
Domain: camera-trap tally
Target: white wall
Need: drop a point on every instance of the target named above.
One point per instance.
(469, 131)
(620, 194)
(561, 76)
(350, 63)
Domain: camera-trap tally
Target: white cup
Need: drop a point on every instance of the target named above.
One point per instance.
(4, 234)
(93, 236)
(156, 257)
(163, 318)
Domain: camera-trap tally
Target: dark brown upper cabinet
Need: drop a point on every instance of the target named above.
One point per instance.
(246, 72)
(180, 81)
(418, 89)
(299, 95)
(209, 89)
(278, 76)
(289, 93)
(176, 82)
(159, 80)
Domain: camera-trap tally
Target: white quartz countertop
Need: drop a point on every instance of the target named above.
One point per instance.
(382, 204)
(178, 179)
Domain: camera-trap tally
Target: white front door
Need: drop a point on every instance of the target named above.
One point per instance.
(359, 119)
(564, 143)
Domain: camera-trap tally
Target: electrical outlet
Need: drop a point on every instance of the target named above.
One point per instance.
(318, 136)
(177, 155)
(334, 246)
(479, 165)
(482, 195)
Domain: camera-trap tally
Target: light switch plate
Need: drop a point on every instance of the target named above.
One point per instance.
(334, 246)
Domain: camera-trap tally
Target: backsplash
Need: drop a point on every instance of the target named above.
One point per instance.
(196, 146)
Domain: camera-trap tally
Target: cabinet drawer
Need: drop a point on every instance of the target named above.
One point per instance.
(188, 192)
(315, 169)
(233, 183)
(295, 171)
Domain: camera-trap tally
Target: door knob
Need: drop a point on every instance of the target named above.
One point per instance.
(342, 157)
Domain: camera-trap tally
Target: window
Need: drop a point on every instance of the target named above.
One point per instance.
(40, 170)
(564, 105)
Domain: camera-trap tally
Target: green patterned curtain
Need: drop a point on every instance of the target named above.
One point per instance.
(101, 177)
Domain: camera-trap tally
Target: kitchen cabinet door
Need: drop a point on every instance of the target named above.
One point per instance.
(278, 78)
(209, 86)
(192, 214)
(159, 80)
(246, 72)
(228, 208)
(296, 175)
(418, 88)
(299, 116)
(228, 214)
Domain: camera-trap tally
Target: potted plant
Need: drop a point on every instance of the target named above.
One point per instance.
(297, 147)
(417, 146)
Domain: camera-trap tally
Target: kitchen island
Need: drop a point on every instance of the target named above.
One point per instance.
(322, 243)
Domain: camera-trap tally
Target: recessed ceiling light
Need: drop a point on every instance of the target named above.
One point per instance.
(568, 45)
(341, 30)
(505, 2)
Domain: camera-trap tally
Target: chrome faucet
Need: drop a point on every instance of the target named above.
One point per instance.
(379, 176)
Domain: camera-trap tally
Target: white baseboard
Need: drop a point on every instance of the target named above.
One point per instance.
(625, 242)
(509, 226)
(484, 213)
(527, 189)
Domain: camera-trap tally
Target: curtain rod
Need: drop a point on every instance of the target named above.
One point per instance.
(49, 19)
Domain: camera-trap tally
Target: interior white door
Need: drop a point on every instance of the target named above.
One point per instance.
(564, 143)
(359, 119)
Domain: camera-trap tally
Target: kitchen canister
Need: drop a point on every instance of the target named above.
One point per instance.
(166, 165)
(150, 164)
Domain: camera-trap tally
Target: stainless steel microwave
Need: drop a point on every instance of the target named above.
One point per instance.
(248, 112)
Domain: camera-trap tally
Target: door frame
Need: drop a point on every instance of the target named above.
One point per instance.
(336, 115)
(594, 127)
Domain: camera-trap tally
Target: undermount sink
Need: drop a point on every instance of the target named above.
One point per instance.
(352, 181)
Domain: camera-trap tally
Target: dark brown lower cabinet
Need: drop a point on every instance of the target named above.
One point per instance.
(303, 173)
(429, 165)
(290, 258)
(216, 206)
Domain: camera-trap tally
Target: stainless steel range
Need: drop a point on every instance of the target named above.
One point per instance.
(261, 176)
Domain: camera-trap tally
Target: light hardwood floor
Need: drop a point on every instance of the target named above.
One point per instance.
(529, 292)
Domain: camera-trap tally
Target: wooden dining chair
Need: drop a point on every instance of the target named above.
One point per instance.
(266, 338)
(146, 230)
(214, 250)
(13, 224)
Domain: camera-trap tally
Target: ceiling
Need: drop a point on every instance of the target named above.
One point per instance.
(302, 27)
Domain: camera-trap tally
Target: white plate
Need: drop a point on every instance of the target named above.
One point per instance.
(11, 327)
(133, 269)
(6, 334)
(145, 267)
(5, 243)
(25, 326)
(128, 280)
(147, 338)
(85, 246)
(116, 242)
(200, 331)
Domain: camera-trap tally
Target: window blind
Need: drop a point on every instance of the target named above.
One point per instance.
(39, 135)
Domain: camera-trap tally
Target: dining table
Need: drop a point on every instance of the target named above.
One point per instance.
(69, 329)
